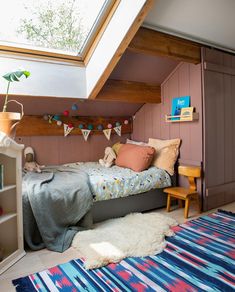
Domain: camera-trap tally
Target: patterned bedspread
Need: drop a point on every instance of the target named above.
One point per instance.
(116, 182)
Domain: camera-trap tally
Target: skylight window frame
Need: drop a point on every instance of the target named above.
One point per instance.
(88, 47)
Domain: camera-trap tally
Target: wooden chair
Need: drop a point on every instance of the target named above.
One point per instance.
(185, 194)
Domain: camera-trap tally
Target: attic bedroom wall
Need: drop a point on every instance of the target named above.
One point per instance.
(150, 119)
(52, 150)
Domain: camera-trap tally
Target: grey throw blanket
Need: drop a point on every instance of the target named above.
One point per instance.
(54, 202)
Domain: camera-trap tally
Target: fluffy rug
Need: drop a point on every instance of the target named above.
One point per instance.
(135, 235)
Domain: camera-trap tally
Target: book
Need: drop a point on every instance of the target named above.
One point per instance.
(186, 114)
(1, 176)
(177, 104)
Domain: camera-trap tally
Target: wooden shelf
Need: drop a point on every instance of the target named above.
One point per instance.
(11, 221)
(7, 188)
(6, 217)
(10, 256)
(37, 126)
(180, 118)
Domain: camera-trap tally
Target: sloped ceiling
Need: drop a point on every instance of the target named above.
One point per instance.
(210, 21)
(143, 68)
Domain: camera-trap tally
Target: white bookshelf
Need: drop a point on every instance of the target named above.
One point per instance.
(11, 225)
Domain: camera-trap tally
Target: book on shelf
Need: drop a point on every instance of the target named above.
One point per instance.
(186, 113)
(177, 104)
(1, 176)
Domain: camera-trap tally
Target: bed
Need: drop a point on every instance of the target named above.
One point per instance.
(118, 191)
(57, 201)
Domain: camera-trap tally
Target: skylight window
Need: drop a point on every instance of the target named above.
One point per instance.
(58, 26)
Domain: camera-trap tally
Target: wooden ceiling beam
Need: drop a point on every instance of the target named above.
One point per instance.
(151, 42)
(130, 91)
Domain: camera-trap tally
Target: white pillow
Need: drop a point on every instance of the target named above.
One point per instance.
(128, 141)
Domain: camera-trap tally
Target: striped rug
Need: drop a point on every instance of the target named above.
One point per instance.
(200, 257)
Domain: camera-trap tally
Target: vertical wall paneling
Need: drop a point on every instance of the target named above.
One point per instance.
(219, 127)
(54, 150)
(150, 119)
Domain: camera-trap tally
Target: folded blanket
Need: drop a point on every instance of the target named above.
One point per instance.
(54, 202)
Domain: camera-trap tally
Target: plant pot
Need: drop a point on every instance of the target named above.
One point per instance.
(8, 121)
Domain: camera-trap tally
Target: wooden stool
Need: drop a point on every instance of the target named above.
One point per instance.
(184, 194)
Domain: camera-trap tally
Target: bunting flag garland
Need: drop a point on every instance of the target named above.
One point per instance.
(118, 130)
(85, 134)
(107, 133)
(85, 127)
(67, 130)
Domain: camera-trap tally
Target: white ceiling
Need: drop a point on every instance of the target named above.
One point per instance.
(208, 21)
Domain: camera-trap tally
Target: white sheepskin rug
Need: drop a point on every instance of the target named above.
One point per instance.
(135, 235)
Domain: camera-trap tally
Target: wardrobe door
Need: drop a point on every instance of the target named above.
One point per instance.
(219, 128)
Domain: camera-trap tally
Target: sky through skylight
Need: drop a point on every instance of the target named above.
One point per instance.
(60, 26)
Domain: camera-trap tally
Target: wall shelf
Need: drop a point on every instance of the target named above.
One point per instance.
(37, 126)
(182, 118)
(11, 221)
(6, 217)
(7, 188)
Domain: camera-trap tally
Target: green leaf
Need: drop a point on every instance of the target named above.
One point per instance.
(16, 75)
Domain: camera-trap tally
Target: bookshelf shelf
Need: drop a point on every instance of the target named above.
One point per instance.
(11, 225)
(182, 118)
(6, 217)
(7, 188)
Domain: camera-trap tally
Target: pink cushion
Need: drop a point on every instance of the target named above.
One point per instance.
(135, 157)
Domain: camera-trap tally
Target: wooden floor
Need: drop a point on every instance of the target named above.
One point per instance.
(43, 259)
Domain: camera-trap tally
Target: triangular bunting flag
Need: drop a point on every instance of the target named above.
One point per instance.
(67, 130)
(118, 130)
(85, 134)
(107, 133)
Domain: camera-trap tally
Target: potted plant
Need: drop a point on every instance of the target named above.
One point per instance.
(8, 120)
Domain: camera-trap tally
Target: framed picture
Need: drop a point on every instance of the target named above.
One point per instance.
(186, 114)
(177, 104)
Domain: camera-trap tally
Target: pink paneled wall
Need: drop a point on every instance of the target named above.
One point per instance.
(150, 119)
(51, 150)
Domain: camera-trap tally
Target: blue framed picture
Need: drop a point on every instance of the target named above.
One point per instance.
(177, 104)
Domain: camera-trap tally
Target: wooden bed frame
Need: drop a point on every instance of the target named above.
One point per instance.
(153, 199)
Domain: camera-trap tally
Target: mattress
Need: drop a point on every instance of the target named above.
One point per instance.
(116, 182)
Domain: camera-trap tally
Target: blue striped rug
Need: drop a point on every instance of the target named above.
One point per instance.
(200, 257)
